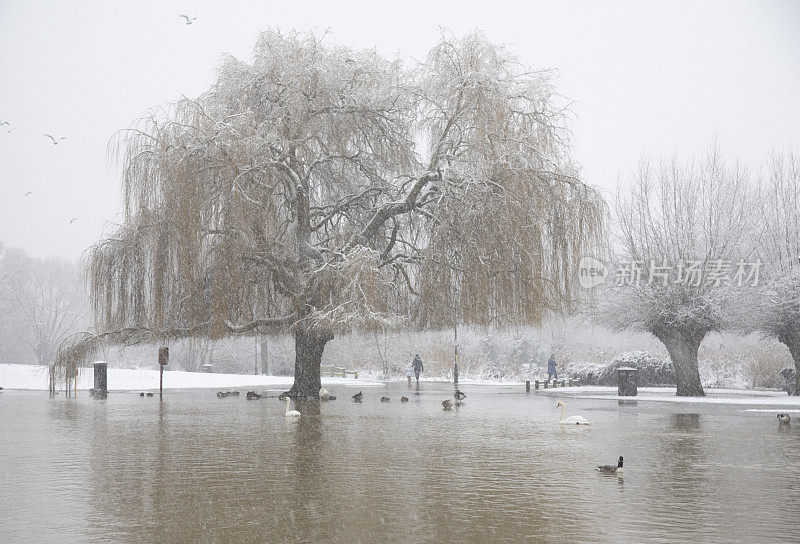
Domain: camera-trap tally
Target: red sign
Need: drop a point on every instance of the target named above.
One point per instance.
(163, 356)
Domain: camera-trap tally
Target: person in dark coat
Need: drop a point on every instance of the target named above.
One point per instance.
(551, 367)
(417, 364)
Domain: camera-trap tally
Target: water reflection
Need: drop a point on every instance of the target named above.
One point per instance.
(200, 469)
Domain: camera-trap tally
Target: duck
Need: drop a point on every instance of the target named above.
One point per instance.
(403, 399)
(141, 394)
(571, 420)
(252, 395)
(448, 404)
(149, 394)
(358, 396)
(459, 395)
(291, 414)
(324, 394)
(385, 399)
(784, 419)
(611, 469)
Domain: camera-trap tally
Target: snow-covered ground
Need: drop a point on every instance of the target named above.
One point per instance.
(121, 379)
(667, 394)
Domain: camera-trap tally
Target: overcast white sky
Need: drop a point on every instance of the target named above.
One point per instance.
(659, 77)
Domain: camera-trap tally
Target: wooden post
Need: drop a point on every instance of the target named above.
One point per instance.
(163, 360)
(536, 385)
(527, 386)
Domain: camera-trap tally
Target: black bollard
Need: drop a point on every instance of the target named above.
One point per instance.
(626, 382)
(100, 380)
(527, 386)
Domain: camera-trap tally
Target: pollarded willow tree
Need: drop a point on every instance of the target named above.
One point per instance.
(681, 256)
(296, 195)
(773, 307)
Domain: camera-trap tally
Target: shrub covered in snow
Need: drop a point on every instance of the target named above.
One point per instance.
(653, 370)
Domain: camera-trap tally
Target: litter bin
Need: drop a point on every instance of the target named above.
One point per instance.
(626, 381)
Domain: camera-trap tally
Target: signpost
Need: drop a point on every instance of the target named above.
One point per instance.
(163, 360)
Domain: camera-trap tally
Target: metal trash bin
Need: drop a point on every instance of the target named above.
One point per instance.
(627, 381)
(100, 389)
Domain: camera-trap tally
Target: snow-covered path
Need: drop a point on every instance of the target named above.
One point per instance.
(667, 394)
(32, 377)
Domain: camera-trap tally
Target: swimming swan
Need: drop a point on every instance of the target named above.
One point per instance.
(291, 413)
(324, 394)
(571, 420)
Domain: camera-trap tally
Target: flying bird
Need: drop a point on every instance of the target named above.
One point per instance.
(54, 139)
(4, 123)
(71, 221)
(189, 20)
(29, 193)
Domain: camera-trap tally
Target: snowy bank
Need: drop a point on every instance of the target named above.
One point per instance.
(667, 394)
(123, 379)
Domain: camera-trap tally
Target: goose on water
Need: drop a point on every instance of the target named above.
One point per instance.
(784, 419)
(403, 399)
(571, 420)
(448, 404)
(611, 469)
(358, 396)
(385, 399)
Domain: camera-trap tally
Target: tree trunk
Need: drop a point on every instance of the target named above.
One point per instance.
(308, 347)
(792, 341)
(682, 350)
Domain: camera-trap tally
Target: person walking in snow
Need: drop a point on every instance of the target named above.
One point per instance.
(409, 372)
(551, 367)
(417, 365)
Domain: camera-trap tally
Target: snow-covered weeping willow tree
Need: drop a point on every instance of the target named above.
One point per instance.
(295, 196)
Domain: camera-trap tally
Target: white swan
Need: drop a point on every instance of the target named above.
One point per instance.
(571, 420)
(291, 413)
(324, 394)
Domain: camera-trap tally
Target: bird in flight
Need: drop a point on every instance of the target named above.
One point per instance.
(189, 20)
(29, 193)
(4, 123)
(53, 138)
(71, 221)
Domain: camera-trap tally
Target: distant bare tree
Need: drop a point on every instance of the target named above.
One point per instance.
(42, 302)
(680, 228)
(774, 308)
(293, 196)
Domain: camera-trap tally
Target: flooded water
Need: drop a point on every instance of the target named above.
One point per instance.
(196, 468)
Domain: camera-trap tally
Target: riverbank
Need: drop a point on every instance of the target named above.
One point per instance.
(35, 378)
(746, 397)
